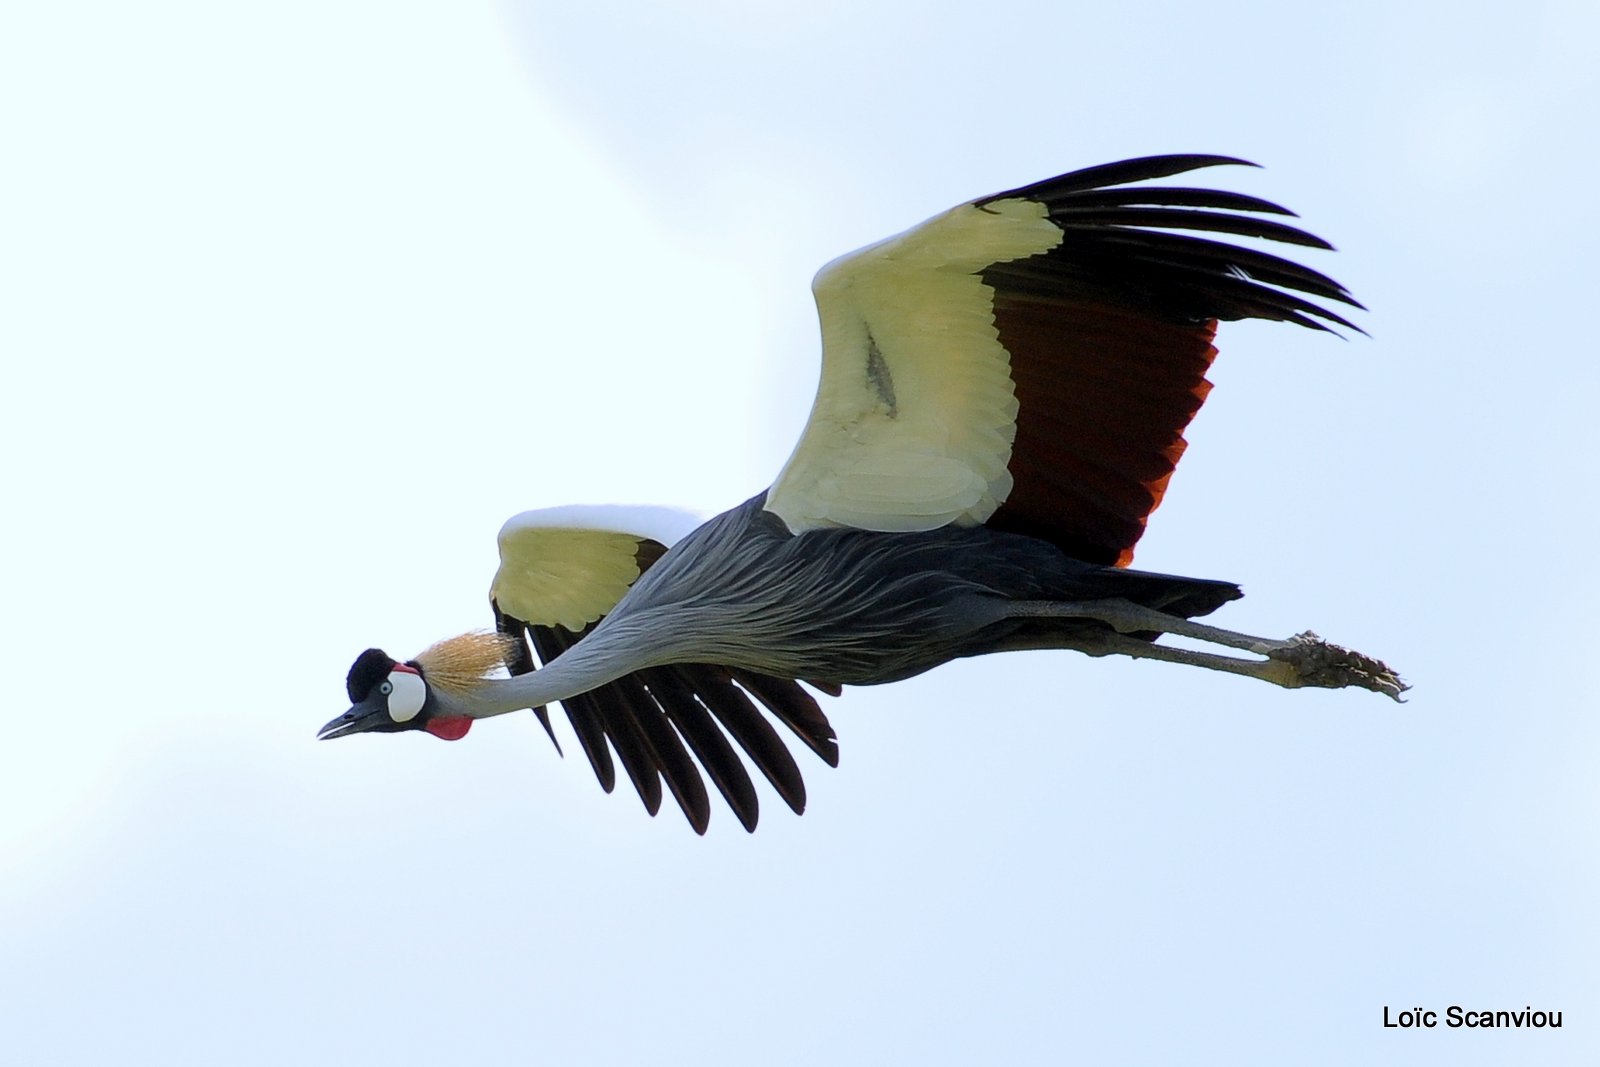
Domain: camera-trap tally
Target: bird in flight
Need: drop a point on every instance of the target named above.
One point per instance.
(1003, 397)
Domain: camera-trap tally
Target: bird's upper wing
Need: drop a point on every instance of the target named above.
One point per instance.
(1029, 360)
(561, 571)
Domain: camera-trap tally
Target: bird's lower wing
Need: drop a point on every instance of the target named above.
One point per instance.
(1030, 359)
(556, 581)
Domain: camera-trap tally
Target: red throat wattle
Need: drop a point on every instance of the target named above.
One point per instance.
(448, 727)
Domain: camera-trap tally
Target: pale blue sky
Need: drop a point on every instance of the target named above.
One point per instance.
(304, 300)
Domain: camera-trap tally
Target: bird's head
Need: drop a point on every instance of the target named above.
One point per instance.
(387, 696)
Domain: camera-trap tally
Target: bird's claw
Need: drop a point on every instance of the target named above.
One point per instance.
(1315, 662)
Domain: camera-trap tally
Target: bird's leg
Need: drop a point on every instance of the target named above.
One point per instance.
(1303, 660)
(1115, 644)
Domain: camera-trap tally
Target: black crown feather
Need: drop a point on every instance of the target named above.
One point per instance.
(370, 668)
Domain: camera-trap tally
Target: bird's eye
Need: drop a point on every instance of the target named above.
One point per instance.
(406, 692)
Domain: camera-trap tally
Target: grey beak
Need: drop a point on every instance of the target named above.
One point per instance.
(357, 720)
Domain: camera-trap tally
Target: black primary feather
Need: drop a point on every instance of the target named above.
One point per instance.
(1117, 247)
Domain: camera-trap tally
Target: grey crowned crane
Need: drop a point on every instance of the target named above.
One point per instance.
(1003, 397)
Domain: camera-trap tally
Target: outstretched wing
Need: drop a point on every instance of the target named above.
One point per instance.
(1029, 360)
(561, 571)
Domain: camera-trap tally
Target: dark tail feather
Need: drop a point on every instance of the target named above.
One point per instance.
(1188, 597)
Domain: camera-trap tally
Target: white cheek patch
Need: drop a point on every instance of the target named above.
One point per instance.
(406, 695)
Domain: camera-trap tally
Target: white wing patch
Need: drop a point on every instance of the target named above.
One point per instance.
(916, 412)
(667, 525)
(569, 566)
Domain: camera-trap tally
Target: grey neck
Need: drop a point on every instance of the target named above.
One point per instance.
(612, 650)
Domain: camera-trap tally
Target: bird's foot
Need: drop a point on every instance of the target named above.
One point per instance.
(1301, 661)
(1311, 661)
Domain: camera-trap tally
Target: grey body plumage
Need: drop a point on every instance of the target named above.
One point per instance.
(841, 606)
(858, 607)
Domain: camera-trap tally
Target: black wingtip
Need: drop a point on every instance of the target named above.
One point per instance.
(1123, 172)
(543, 715)
(1128, 243)
(1147, 168)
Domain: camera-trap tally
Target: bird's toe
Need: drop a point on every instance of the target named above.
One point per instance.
(1319, 663)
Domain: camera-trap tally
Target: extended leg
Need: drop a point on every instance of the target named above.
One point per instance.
(1302, 660)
